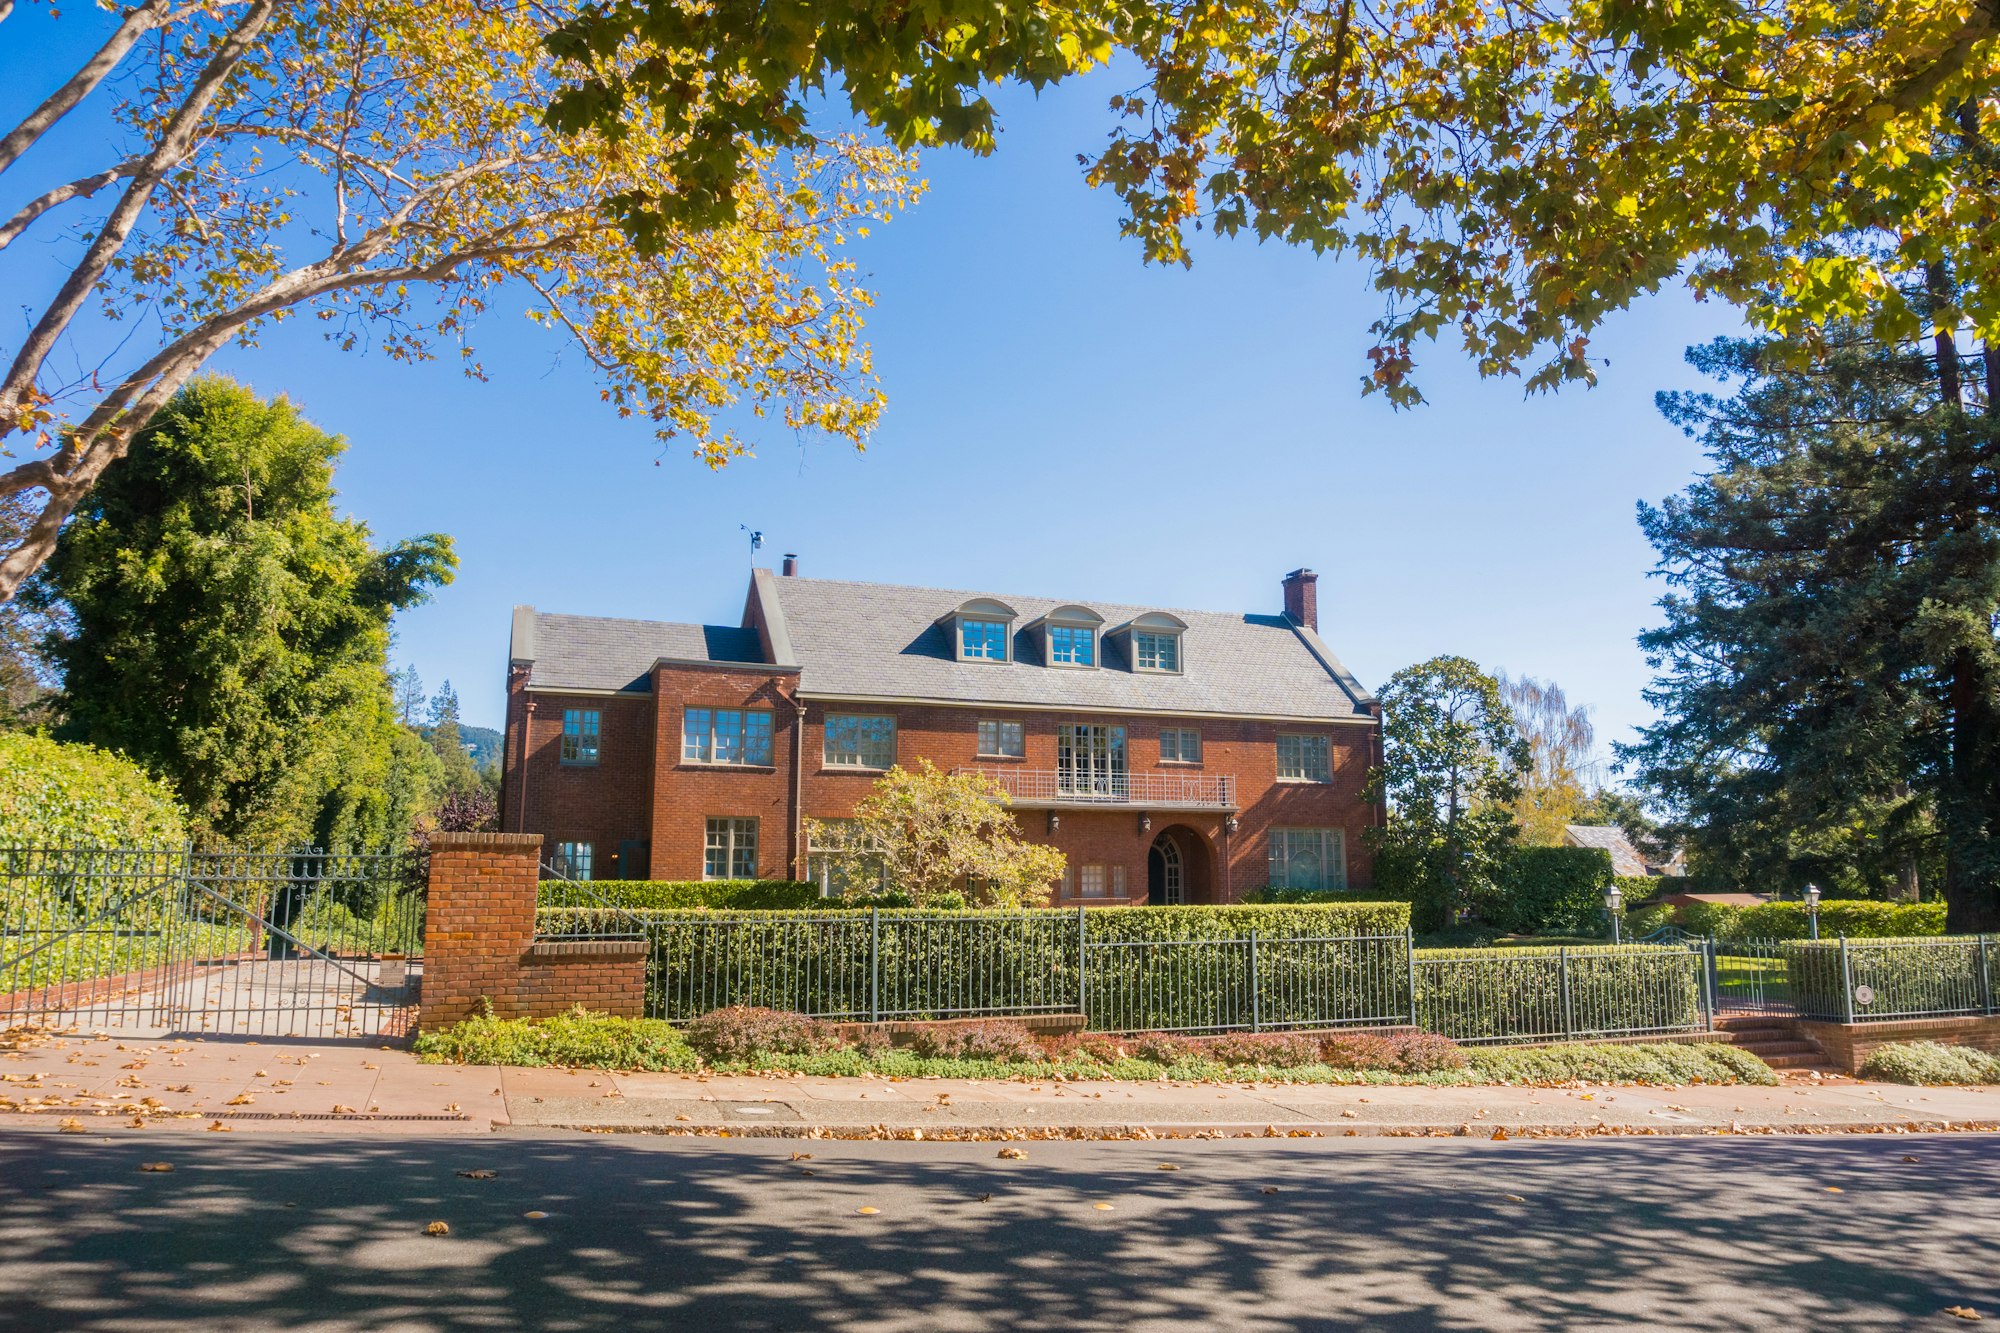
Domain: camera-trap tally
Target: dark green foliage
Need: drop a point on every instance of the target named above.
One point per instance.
(1544, 890)
(56, 795)
(1908, 978)
(1828, 682)
(1280, 894)
(1519, 994)
(231, 631)
(749, 895)
(1854, 917)
(577, 1039)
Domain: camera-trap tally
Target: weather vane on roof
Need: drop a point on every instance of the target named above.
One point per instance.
(756, 539)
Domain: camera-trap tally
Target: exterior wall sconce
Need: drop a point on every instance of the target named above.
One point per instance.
(1232, 823)
(1145, 823)
(1055, 821)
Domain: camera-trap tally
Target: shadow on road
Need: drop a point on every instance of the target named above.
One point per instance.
(287, 1232)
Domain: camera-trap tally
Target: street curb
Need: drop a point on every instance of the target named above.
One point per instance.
(1487, 1130)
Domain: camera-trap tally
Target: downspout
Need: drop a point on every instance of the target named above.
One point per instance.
(798, 787)
(527, 727)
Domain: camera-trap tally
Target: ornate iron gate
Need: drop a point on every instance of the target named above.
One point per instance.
(303, 945)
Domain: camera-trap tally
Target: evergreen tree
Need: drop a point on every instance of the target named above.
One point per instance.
(409, 688)
(231, 631)
(461, 775)
(1828, 681)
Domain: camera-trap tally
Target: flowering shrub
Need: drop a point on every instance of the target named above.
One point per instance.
(979, 1039)
(742, 1033)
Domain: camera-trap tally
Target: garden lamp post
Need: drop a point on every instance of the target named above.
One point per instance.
(1812, 910)
(1613, 900)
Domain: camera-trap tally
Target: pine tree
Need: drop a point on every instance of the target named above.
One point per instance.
(461, 775)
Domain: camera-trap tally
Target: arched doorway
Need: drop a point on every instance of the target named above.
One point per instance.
(1166, 874)
(1179, 868)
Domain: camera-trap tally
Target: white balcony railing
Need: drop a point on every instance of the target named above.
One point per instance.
(1032, 786)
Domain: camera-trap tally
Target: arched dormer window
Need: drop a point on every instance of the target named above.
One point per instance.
(1155, 642)
(1069, 636)
(982, 630)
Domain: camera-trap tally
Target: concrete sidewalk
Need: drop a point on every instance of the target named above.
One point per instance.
(99, 1082)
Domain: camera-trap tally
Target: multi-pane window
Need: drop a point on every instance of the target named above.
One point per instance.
(1090, 761)
(982, 640)
(1180, 745)
(726, 735)
(573, 859)
(1072, 645)
(579, 744)
(1157, 652)
(1001, 738)
(1308, 858)
(731, 849)
(855, 740)
(1304, 759)
(1091, 882)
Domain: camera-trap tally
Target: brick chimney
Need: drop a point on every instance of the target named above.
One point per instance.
(790, 568)
(1302, 598)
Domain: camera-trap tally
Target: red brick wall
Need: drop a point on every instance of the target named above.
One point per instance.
(479, 941)
(641, 789)
(1848, 1044)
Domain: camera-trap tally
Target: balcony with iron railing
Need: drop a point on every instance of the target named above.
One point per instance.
(1038, 788)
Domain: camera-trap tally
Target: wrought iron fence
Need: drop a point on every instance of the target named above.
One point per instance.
(303, 943)
(1561, 994)
(1871, 980)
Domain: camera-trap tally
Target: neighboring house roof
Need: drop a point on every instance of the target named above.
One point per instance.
(602, 653)
(884, 641)
(1679, 899)
(1625, 858)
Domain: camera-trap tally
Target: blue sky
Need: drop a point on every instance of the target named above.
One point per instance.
(1063, 420)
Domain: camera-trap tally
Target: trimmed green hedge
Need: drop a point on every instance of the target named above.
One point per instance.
(1909, 977)
(1550, 890)
(1856, 918)
(58, 795)
(756, 895)
(1521, 994)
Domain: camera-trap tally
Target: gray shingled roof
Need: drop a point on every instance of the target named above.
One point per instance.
(1625, 858)
(873, 640)
(602, 653)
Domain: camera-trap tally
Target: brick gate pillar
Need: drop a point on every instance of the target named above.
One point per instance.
(479, 921)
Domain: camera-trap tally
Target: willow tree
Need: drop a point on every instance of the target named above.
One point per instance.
(381, 167)
(1561, 745)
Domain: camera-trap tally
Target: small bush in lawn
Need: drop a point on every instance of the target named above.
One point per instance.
(1929, 1062)
(1277, 1050)
(1102, 1047)
(999, 1039)
(742, 1032)
(1162, 1048)
(1640, 1062)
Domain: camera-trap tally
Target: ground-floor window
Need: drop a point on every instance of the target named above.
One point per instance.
(731, 849)
(573, 859)
(1095, 881)
(845, 868)
(1308, 858)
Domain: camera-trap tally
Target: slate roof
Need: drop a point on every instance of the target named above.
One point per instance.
(883, 641)
(1625, 858)
(604, 653)
(877, 640)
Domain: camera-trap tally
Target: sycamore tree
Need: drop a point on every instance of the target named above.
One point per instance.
(936, 836)
(1512, 170)
(381, 168)
(1451, 756)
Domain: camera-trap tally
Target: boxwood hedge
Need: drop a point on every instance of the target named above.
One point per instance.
(773, 895)
(1475, 995)
(1856, 918)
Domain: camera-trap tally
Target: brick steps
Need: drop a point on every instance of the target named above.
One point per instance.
(1775, 1041)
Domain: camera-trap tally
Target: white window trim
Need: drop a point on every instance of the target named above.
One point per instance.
(1096, 645)
(1278, 748)
(1000, 726)
(1006, 639)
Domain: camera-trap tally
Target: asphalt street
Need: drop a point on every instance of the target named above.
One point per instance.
(585, 1232)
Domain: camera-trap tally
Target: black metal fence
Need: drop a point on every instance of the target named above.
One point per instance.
(282, 944)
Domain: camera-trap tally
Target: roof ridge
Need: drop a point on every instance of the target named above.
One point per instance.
(1018, 596)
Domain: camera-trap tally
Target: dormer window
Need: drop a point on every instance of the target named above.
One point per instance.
(982, 630)
(1156, 642)
(1069, 636)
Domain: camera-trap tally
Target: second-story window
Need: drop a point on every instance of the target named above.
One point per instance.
(1304, 759)
(1072, 645)
(726, 735)
(1180, 745)
(855, 740)
(579, 742)
(1002, 740)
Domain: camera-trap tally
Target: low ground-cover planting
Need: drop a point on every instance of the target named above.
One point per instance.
(745, 1040)
(1930, 1062)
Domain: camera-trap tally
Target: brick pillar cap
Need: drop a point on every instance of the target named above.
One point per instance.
(474, 842)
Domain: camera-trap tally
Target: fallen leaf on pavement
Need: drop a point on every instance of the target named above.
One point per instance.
(866, 1211)
(438, 1229)
(1167, 1166)
(1908, 1158)
(1513, 1198)
(71, 1125)
(217, 1127)
(156, 1166)
(1270, 1189)
(1500, 1135)
(1961, 1312)
(1012, 1154)
(1102, 1207)
(480, 1173)
(801, 1157)
(534, 1214)
(1835, 1189)
(240, 1099)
